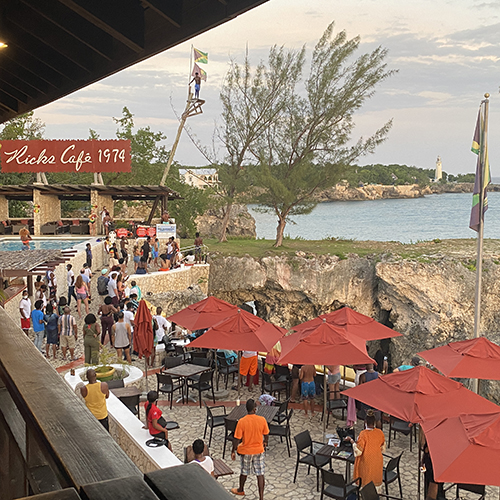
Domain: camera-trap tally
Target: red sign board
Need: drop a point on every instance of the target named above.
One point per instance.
(65, 156)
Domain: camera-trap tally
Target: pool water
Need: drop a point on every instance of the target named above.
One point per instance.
(52, 244)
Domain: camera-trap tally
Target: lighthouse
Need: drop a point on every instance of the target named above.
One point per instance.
(439, 170)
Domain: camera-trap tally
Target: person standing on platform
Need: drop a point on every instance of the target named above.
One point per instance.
(197, 85)
(25, 310)
(95, 394)
(248, 367)
(250, 441)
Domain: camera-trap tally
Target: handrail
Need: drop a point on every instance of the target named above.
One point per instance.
(65, 431)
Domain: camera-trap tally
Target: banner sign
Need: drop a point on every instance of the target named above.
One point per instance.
(65, 156)
(166, 230)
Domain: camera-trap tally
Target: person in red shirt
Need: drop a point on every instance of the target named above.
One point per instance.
(250, 440)
(156, 423)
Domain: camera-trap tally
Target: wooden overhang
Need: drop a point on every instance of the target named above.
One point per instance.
(55, 47)
(82, 192)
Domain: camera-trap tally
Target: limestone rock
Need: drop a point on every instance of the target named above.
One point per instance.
(241, 223)
(174, 301)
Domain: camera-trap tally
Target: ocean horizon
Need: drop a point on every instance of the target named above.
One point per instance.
(442, 216)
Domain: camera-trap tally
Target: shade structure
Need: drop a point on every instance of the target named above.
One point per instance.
(324, 344)
(465, 448)
(204, 314)
(241, 332)
(476, 358)
(143, 331)
(418, 395)
(354, 323)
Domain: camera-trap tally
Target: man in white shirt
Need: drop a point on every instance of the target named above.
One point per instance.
(163, 325)
(25, 310)
(199, 458)
(112, 290)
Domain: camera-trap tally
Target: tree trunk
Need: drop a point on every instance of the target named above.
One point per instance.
(279, 231)
(225, 223)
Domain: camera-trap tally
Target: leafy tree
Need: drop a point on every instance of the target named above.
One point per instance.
(307, 146)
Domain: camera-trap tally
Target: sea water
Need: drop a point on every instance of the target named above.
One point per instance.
(440, 216)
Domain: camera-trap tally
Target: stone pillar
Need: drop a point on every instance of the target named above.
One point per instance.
(100, 201)
(4, 208)
(46, 208)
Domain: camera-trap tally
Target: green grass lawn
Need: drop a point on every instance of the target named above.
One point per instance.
(262, 248)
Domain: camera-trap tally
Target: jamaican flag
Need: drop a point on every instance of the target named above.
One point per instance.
(200, 57)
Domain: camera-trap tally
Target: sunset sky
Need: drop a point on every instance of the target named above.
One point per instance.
(447, 54)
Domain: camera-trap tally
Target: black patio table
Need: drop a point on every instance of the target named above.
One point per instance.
(343, 452)
(268, 412)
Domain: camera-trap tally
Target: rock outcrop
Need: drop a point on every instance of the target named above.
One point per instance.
(174, 301)
(431, 302)
(241, 223)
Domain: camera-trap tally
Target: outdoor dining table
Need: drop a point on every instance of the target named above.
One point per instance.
(343, 452)
(185, 371)
(126, 392)
(268, 412)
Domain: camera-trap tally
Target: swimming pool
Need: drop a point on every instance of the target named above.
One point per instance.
(8, 245)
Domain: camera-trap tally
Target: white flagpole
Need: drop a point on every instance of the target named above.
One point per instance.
(190, 67)
(479, 258)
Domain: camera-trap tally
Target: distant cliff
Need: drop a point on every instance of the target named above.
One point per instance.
(342, 192)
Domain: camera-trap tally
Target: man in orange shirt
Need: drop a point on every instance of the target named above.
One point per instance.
(250, 439)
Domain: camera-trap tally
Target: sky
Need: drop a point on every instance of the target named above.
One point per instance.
(446, 53)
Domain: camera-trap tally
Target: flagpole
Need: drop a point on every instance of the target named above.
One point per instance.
(190, 69)
(479, 259)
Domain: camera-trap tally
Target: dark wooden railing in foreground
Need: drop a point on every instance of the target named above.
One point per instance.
(52, 447)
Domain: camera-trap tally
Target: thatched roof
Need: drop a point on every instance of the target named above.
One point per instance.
(28, 259)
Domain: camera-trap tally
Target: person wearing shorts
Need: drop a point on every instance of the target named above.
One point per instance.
(25, 310)
(248, 367)
(308, 387)
(250, 442)
(68, 333)
(334, 381)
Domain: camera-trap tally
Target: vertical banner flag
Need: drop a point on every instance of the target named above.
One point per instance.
(202, 73)
(482, 178)
(200, 57)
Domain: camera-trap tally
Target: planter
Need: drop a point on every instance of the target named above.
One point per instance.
(105, 373)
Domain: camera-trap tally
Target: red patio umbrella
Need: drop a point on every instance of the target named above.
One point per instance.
(143, 334)
(242, 331)
(354, 323)
(419, 395)
(204, 314)
(465, 448)
(324, 344)
(476, 358)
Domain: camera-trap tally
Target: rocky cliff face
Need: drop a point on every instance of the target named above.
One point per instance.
(241, 223)
(430, 302)
(174, 301)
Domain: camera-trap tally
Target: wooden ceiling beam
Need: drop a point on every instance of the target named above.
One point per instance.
(170, 10)
(23, 74)
(17, 84)
(70, 22)
(13, 92)
(127, 27)
(31, 23)
(9, 102)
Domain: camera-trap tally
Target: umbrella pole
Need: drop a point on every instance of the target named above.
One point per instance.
(239, 375)
(325, 415)
(146, 369)
(418, 466)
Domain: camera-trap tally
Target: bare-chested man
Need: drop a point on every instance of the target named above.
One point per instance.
(197, 85)
(308, 387)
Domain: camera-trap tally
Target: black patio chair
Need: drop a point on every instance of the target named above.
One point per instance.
(230, 427)
(132, 403)
(272, 387)
(304, 442)
(480, 489)
(391, 473)
(212, 420)
(282, 374)
(199, 354)
(166, 384)
(405, 428)
(199, 362)
(332, 405)
(282, 414)
(180, 351)
(336, 486)
(204, 383)
(115, 384)
(225, 369)
(369, 492)
(283, 431)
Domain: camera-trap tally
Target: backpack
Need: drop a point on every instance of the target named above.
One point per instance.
(102, 285)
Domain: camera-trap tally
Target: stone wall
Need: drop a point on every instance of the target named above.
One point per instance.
(177, 279)
(4, 208)
(50, 210)
(100, 201)
(140, 458)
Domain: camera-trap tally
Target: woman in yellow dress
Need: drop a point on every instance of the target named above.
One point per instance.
(368, 449)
